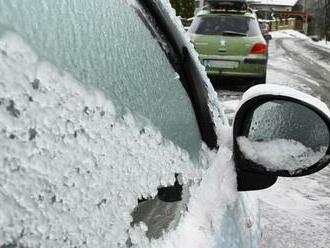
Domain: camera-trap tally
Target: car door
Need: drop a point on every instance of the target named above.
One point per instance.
(96, 113)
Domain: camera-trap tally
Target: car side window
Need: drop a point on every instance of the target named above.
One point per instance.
(111, 50)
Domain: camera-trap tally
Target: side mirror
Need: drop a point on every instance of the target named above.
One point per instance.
(268, 37)
(279, 131)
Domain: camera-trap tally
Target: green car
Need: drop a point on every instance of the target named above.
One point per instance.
(230, 44)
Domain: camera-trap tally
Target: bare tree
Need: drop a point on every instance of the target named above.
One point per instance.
(327, 20)
(184, 8)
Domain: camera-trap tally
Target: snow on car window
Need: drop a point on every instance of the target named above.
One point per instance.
(105, 44)
(72, 169)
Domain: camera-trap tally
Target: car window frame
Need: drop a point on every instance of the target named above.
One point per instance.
(187, 68)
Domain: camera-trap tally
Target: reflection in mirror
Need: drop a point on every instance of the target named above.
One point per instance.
(284, 135)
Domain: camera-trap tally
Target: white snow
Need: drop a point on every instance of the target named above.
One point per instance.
(280, 154)
(73, 170)
(300, 50)
(206, 208)
(296, 212)
(289, 33)
(323, 44)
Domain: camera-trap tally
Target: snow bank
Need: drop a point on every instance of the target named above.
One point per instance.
(289, 33)
(72, 170)
(322, 43)
(280, 154)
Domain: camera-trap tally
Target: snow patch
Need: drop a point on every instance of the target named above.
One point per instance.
(289, 33)
(72, 169)
(206, 208)
(280, 154)
(323, 44)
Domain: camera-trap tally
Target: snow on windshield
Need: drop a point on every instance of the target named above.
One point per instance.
(280, 154)
(72, 170)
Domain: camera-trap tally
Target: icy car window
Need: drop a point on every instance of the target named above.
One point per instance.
(104, 44)
(287, 120)
(93, 117)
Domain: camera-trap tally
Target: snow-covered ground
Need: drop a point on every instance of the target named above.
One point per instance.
(295, 211)
(323, 43)
(296, 34)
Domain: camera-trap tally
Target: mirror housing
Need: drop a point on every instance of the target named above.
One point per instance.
(252, 175)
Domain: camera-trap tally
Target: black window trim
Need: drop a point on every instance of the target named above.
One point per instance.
(192, 78)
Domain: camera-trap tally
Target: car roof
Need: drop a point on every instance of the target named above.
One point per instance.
(248, 13)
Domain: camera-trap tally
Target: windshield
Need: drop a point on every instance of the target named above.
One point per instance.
(225, 25)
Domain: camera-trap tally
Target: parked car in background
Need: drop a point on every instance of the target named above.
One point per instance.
(111, 134)
(230, 43)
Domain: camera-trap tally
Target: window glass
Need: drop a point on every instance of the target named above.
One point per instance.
(290, 121)
(105, 45)
(225, 25)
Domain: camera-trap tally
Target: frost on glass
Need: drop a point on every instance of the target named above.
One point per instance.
(82, 138)
(284, 135)
(104, 44)
(71, 169)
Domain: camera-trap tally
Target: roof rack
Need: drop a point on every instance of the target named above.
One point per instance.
(238, 5)
(212, 9)
(227, 6)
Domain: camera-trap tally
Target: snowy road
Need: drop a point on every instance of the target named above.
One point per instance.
(295, 212)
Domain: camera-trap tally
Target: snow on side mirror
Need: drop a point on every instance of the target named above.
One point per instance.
(279, 131)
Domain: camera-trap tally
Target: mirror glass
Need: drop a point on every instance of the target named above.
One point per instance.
(284, 135)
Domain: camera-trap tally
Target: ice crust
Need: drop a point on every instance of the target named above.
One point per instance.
(280, 154)
(72, 170)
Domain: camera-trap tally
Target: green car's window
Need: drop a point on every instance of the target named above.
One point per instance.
(105, 45)
(225, 25)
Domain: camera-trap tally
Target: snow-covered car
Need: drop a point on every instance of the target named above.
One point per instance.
(111, 135)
